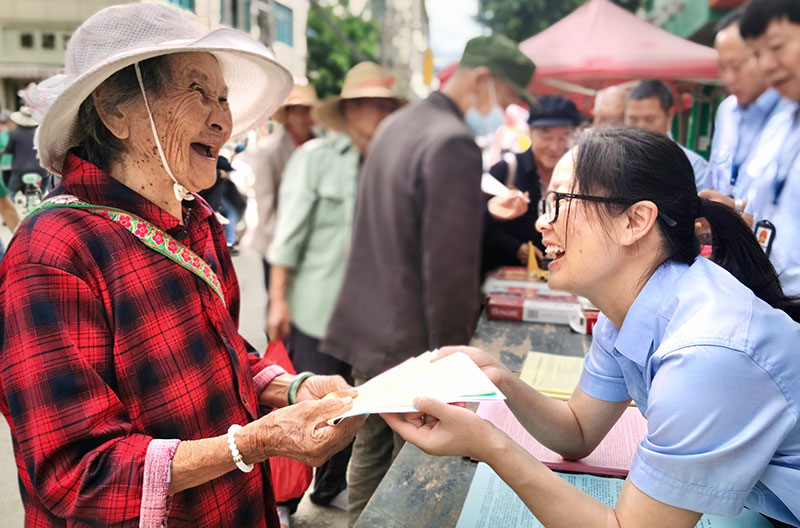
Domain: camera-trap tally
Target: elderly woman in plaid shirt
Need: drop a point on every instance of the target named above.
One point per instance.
(131, 397)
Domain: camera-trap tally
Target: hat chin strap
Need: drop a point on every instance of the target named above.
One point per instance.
(181, 192)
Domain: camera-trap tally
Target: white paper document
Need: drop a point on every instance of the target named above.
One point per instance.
(493, 186)
(455, 378)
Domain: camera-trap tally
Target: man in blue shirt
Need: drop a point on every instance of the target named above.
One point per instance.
(772, 29)
(651, 106)
(747, 130)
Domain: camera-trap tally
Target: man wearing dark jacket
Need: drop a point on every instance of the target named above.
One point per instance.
(411, 282)
(505, 242)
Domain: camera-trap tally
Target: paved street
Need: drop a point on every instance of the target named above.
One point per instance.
(250, 274)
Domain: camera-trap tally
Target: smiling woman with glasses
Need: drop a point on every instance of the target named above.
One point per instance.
(707, 348)
(548, 207)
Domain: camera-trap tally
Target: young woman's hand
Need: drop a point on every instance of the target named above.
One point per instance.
(490, 366)
(441, 429)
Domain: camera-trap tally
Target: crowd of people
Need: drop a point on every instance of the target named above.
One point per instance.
(132, 398)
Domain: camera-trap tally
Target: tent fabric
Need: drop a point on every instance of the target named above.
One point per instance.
(601, 43)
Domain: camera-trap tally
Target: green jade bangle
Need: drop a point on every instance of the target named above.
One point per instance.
(294, 386)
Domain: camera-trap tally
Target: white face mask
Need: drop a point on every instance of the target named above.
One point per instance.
(181, 192)
(485, 125)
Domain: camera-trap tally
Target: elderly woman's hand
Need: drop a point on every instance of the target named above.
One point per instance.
(301, 431)
(318, 387)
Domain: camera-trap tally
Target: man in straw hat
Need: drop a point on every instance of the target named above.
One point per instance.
(312, 238)
(130, 395)
(412, 277)
(269, 161)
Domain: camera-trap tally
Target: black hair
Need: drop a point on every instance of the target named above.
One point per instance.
(653, 88)
(758, 14)
(97, 144)
(637, 165)
(730, 18)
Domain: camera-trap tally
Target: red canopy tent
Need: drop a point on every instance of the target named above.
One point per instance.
(600, 44)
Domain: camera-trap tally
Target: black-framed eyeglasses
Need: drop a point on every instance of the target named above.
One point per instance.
(549, 205)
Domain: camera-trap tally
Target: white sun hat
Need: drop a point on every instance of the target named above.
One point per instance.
(119, 36)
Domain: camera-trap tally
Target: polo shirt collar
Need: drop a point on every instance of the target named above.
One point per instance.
(88, 182)
(640, 327)
(764, 103)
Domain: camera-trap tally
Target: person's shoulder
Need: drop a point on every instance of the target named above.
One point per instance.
(728, 104)
(710, 306)
(59, 237)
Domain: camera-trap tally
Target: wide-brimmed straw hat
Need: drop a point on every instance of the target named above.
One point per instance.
(365, 79)
(22, 117)
(301, 95)
(119, 36)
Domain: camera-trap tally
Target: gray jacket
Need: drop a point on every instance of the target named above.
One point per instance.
(412, 277)
(268, 163)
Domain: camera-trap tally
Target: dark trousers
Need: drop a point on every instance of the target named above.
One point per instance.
(331, 477)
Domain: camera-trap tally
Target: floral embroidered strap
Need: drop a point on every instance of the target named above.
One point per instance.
(151, 236)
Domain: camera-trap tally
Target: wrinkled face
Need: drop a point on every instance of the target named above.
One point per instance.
(298, 120)
(648, 115)
(549, 144)
(363, 115)
(778, 54)
(738, 66)
(583, 249)
(192, 118)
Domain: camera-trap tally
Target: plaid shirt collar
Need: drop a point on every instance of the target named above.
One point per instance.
(91, 184)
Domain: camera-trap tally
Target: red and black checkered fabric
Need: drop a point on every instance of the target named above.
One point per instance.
(106, 344)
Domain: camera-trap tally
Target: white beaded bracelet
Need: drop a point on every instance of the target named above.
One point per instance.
(237, 456)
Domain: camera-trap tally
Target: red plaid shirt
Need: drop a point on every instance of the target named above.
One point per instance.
(106, 345)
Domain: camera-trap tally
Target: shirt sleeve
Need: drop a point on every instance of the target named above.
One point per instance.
(82, 455)
(714, 421)
(452, 221)
(602, 376)
(263, 370)
(297, 198)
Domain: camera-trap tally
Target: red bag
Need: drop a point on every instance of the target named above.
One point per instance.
(290, 478)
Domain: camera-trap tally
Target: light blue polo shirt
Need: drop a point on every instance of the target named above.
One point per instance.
(699, 166)
(716, 373)
(776, 197)
(748, 137)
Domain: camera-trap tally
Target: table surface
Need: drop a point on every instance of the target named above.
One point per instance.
(425, 491)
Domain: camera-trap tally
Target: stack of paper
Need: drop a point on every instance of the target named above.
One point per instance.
(614, 455)
(491, 503)
(455, 378)
(552, 375)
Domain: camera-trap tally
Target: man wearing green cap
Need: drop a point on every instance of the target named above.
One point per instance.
(412, 278)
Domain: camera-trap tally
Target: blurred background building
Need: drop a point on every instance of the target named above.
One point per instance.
(405, 34)
(690, 19)
(34, 33)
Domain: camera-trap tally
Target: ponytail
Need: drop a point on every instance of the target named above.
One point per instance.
(637, 165)
(734, 247)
